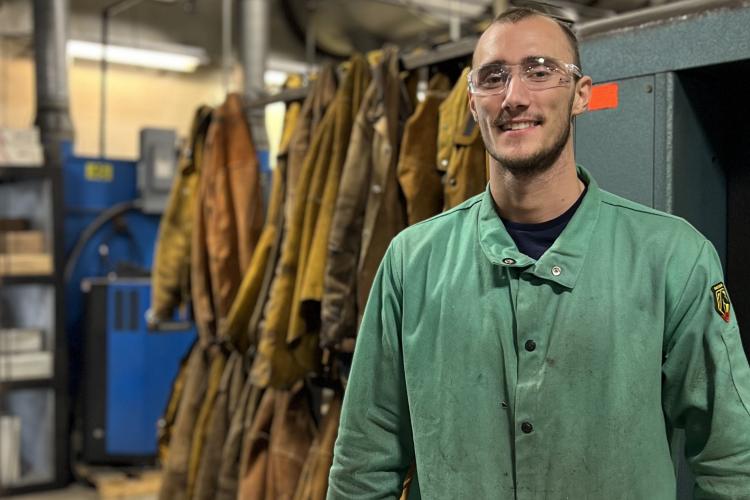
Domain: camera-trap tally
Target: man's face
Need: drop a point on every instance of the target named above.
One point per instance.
(544, 115)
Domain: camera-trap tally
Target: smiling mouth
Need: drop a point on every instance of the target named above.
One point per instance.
(519, 125)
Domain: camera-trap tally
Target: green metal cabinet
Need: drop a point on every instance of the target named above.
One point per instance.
(679, 136)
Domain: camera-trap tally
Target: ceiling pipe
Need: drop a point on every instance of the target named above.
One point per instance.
(107, 13)
(226, 44)
(53, 109)
(653, 14)
(255, 18)
(455, 21)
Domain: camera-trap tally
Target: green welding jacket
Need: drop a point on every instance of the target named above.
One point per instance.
(502, 377)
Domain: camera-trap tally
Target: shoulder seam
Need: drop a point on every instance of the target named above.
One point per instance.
(615, 201)
(459, 208)
(643, 210)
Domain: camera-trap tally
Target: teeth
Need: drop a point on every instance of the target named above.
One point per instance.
(518, 125)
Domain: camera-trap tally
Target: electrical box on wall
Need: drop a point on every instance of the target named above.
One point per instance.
(156, 167)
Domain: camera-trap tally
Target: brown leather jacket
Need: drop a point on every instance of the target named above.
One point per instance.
(255, 285)
(229, 217)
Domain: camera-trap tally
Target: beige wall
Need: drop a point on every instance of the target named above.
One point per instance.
(136, 98)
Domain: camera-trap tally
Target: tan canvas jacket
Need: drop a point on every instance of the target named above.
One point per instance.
(461, 154)
(369, 210)
(418, 174)
(284, 355)
(170, 276)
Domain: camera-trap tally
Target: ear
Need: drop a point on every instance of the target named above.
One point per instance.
(472, 105)
(582, 95)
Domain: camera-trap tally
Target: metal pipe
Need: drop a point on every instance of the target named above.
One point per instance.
(50, 39)
(226, 43)
(659, 13)
(107, 14)
(454, 26)
(255, 19)
(310, 36)
(103, 85)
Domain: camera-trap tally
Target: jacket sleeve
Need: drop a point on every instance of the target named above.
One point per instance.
(374, 446)
(338, 309)
(707, 382)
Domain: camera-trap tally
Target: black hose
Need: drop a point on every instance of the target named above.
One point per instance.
(91, 229)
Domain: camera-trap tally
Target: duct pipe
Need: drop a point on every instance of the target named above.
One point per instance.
(226, 44)
(50, 38)
(310, 36)
(454, 26)
(659, 13)
(255, 19)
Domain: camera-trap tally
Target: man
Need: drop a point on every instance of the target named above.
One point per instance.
(544, 339)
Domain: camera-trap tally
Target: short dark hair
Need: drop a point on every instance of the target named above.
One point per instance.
(515, 14)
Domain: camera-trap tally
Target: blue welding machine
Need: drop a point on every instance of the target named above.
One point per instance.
(129, 368)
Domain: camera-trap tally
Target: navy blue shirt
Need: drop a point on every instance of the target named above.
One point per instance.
(534, 239)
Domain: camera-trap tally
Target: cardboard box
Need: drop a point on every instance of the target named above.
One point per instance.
(18, 242)
(21, 340)
(26, 365)
(10, 449)
(31, 264)
(20, 147)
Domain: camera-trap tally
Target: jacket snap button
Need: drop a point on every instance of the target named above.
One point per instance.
(530, 345)
(556, 271)
(526, 427)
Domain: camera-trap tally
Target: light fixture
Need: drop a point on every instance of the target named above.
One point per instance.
(274, 78)
(277, 71)
(173, 58)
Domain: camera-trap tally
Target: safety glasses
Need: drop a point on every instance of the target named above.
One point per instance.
(537, 73)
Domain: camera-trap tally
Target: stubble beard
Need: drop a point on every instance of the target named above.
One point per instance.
(537, 163)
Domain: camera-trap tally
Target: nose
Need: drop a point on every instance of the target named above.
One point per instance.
(516, 95)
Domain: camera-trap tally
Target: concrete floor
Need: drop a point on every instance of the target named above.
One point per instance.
(72, 492)
(76, 492)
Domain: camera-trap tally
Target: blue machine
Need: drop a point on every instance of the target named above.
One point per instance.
(120, 372)
(123, 243)
(129, 371)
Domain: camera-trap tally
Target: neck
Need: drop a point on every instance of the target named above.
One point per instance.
(539, 197)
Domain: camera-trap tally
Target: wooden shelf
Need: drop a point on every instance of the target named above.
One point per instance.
(24, 488)
(9, 173)
(40, 279)
(34, 383)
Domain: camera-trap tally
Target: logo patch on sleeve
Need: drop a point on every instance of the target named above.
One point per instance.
(721, 301)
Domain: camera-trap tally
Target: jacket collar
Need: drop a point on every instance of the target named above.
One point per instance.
(563, 261)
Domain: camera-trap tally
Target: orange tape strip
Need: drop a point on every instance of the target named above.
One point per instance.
(604, 96)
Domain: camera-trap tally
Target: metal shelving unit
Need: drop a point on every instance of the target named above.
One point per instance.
(44, 436)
